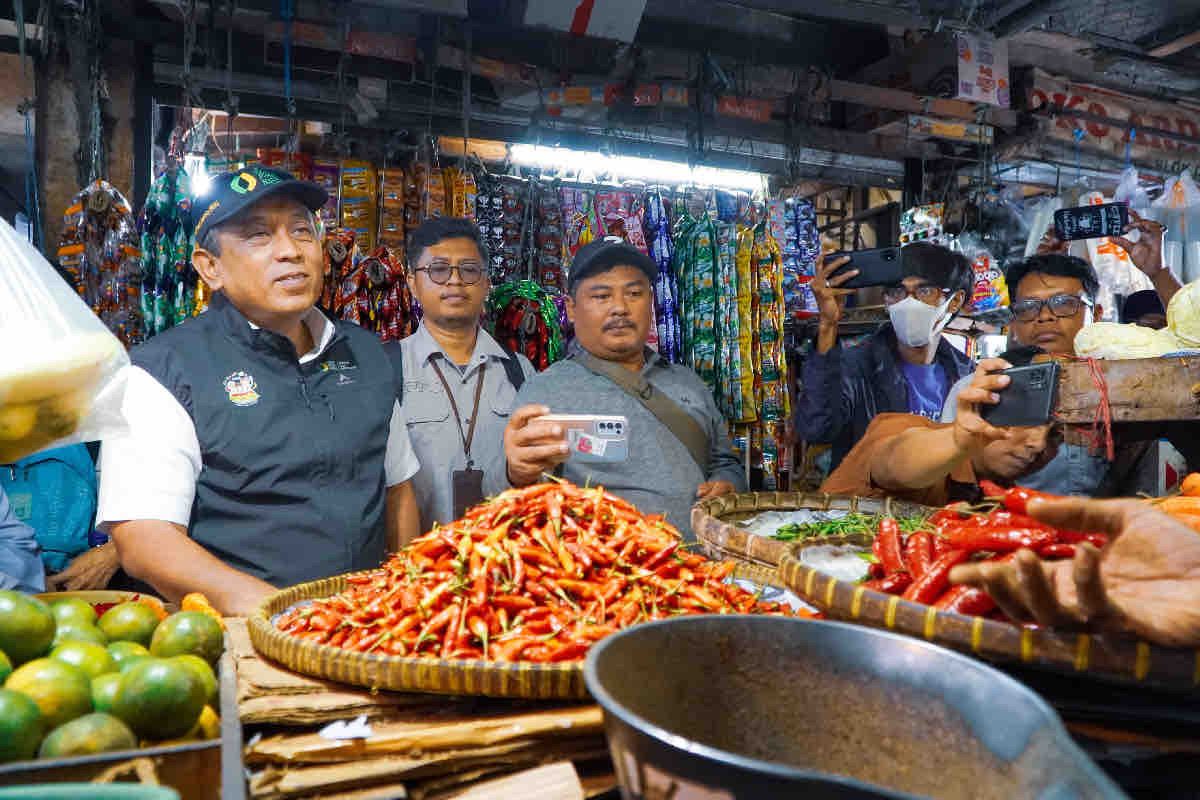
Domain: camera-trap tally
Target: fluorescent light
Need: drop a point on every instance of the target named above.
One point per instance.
(625, 168)
(193, 165)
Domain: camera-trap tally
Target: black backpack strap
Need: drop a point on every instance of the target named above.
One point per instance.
(395, 354)
(512, 368)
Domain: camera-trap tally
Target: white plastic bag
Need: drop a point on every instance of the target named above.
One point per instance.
(62, 376)
(1179, 209)
(1113, 267)
(1130, 192)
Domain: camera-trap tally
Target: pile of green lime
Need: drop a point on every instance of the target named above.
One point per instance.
(75, 683)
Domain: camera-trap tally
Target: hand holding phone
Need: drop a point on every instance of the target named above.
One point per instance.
(881, 266)
(1091, 222)
(593, 438)
(1028, 400)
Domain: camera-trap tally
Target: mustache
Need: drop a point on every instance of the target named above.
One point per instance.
(617, 324)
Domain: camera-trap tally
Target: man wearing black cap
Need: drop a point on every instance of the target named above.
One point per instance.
(679, 447)
(266, 446)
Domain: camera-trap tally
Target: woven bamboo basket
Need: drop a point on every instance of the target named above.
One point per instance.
(1111, 659)
(563, 681)
(715, 521)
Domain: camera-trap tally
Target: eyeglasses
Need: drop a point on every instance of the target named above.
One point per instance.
(469, 272)
(928, 294)
(1061, 305)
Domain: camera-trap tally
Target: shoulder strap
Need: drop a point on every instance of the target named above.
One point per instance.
(512, 368)
(395, 354)
(680, 423)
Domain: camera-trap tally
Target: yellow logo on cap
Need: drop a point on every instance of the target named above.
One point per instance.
(243, 183)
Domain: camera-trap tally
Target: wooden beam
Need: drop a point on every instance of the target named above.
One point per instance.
(899, 100)
(1139, 390)
(1176, 45)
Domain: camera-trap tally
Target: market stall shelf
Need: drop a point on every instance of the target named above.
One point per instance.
(1106, 658)
(558, 681)
(719, 521)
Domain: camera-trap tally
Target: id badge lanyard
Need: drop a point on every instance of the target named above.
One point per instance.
(467, 483)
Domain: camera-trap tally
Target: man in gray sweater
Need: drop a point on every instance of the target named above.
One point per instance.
(679, 446)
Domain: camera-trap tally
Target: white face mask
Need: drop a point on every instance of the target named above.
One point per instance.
(916, 323)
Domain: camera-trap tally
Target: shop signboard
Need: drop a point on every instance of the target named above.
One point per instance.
(1149, 118)
(982, 69)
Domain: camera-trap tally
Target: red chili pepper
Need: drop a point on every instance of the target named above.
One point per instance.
(1057, 551)
(1100, 540)
(931, 585)
(918, 553)
(997, 539)
(895, 583)
(1017, 498)
(965, 600)
(875, 570)
(992, 490)
(890, 554)
(940, 546)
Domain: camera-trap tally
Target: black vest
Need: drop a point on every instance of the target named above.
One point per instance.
(292, 483)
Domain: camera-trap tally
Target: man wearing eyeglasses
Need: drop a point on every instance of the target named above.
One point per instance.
(266, 447)
(456, 383)
(905, 367)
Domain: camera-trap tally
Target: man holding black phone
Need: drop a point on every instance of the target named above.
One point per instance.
(905, 367)
(679, 449)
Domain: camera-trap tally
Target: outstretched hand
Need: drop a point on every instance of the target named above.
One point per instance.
(1145, 583)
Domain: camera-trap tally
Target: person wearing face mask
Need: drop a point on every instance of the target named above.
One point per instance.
(905, 367)
(915, 459)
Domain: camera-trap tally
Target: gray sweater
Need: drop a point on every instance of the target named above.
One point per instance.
(660, 476)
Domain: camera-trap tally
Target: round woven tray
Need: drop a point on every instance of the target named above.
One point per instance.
(526, 680)
(715, 521)
(1107, 658)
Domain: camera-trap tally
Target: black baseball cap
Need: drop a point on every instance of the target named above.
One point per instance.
(234, 192)
(601, 255)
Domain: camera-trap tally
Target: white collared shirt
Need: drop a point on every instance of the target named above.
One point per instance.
(151, 472)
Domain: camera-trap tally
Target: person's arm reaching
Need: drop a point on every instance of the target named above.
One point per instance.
(1146, 254)
(922, 457)
(1146, 582)
(403, 516)
(161, 554)
(822, 410)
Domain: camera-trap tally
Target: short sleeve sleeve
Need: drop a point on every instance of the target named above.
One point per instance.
(400, 462)
(151, 471)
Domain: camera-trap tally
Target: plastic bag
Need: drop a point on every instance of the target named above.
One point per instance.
(62, 378)
(1130, 192)
(1040, 216)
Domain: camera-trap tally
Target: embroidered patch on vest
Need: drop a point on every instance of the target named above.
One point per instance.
(242, 389)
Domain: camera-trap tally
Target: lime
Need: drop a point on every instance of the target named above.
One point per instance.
(21, 726)
(202, 672)
(62, 692)
(91, 658)
(73, 611)
(159, 699)
(123, 650)
(129, 622)
(76, 632)
(88, 735)
(189, 632)
(104, 691)
(26, 626)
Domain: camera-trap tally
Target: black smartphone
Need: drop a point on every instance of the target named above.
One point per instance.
(881, 266)
(1091, 222)
(1027, 401)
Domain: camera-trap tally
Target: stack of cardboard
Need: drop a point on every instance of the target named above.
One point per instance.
(419, 745)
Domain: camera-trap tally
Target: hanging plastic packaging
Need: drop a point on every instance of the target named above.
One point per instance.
(1040, 216)
(61, 379)
(1179, 209)
(1130, 192)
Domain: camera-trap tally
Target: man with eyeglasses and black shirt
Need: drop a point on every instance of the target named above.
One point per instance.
(905, 367)
(455, 383)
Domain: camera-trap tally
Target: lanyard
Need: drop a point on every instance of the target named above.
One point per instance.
(470, 435)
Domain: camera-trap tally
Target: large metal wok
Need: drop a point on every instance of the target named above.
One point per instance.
(741, 707)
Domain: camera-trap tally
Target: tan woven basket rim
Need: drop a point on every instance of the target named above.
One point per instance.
(403, 673)
(1122, 660)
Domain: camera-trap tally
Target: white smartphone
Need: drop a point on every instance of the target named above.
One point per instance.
(594, 438)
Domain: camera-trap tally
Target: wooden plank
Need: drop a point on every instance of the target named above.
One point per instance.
(1176, 45)
(1139, 390)
(899, 100)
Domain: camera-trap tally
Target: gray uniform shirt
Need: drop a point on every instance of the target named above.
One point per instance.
(436, 437)
(660, 476)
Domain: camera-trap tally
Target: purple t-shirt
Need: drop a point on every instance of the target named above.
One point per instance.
(927, 387)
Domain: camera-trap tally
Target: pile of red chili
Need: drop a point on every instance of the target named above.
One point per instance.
(918, 567)
(536, 574)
